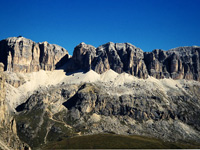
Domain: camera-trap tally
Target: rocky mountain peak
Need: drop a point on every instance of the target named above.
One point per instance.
(83, 48)
(178, 63)
(20, 54)
(82, 43)
(107, 45)
(121, 57)
(83, 55)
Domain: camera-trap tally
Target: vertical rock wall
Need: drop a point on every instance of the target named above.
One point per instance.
(19, 54)
(178, 63)
(2, 96)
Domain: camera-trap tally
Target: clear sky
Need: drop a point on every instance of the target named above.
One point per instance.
(148, 24)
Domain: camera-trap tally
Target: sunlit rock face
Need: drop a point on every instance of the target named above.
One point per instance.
(23, 55)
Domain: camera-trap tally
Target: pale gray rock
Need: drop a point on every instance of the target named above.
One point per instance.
(19, 54)
(177, 63)
(50, 55)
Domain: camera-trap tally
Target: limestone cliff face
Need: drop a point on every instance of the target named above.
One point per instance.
(23, 55)
(50, 55)
(178, 63)
(124, 57)
(120, 57)
(19, 54)
(83, 56)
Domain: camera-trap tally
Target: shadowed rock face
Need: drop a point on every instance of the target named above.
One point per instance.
(19, 54)
(178, 63)
(83, 55)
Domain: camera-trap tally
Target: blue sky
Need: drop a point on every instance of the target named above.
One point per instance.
(148, 24)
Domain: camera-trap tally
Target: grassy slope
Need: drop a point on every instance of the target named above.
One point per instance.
(109, 141)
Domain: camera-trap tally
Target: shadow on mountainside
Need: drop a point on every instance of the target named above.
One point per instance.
(4, 52)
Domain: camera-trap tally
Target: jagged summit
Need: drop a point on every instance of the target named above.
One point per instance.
(178, 63)
(23, 55)
(185, 50)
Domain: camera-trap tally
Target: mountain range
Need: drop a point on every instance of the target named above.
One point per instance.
(19, 54)
(46, 95)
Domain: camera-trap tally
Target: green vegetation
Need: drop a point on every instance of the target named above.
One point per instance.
(64, 116)
(109, 141)
(32, 117)
(59, 131)
(33, 130)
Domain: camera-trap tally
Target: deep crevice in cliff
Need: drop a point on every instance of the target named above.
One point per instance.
(4, 54)
(41, 46)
